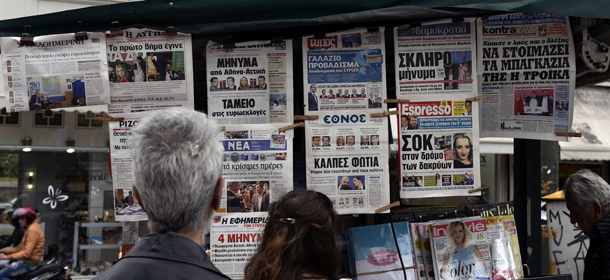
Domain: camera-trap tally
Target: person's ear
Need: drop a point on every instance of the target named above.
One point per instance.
(218, 194)
(137, 196)
(598, 210)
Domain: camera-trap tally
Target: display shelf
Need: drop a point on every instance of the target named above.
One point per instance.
(101, 246)
(77, 246)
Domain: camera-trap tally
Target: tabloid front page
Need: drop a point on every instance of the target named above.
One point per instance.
(251, 83)
(439, 148)
(57, 72)
(347, 159)
(148, 71)
(436, 57)
(527, 71)
(344, 71)
(257, 167)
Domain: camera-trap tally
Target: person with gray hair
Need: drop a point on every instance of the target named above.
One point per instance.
(588, 200)
(177, 165)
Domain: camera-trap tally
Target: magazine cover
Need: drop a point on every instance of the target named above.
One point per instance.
(502, 268)
(418, 251)
(462, 249)
(509, 222)
(378, 258)
(424, 239)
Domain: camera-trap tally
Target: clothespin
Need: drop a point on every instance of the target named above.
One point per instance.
(383, 114)
(477, 98)
(302, 118)
(396, 101)
(395, 204)
(26, 39)
(284, 128)
(80, 35)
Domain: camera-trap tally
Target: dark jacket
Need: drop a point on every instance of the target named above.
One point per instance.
(164, 256)
(15, 238)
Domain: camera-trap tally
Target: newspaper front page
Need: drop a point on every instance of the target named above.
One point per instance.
(439, 148)
(347, 160)
(234, 238)
(436, 57)
(58, 72)
(251, 83)
(344, 71)
(527, 71)
(257, 167)
(148, 71)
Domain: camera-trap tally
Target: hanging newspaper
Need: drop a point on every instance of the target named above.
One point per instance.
(234, 238)
(58, 71)
(347, 159)
(527, 69)
(126, 206)
(257, 167)
(436, 57)
(149, 70)
(439, 148)
(344, 71)
(251, 83)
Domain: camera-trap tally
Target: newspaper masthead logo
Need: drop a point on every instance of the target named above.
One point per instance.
(509, 30)
(345, 118)
(322, 43)
(476, 226)
(128, 123)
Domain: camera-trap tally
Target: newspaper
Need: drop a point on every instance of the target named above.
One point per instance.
(462, 249)
(257, 167)
(347, 159)
(121, 165)
(251, 83)
(439, 148)
(427, 247)
(527, 71)
(148, 71)
(418, 251)
(344, 71)
(57, 72)
(436, 57)
(234, 238)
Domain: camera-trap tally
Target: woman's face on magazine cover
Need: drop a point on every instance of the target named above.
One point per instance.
(458, 234)
(462, 148)
(243, 81)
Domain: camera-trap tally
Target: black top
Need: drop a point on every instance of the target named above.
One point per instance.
(14, 239)
(597, 261)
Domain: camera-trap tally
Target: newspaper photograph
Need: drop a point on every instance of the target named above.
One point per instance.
(435, 58)
(347, 160)
(57, 72)
(251, 83)
(344, 71)
(148, 70)
(527, 71)
(234, 238)
(257, 167)
(126, 207)
(439, 148)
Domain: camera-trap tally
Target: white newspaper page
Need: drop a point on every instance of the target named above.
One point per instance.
(257, 167)
(527, 71)
(234, 238)
(347, 160)
(148, 71)
(251, 83)
(126, 207)
(439, 148)
(344, 71)
(435, 58)
(56, 73)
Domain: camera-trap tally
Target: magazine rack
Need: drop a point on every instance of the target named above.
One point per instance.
(551, 277)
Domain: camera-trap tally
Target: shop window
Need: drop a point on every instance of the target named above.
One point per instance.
(9, 119)
(49, 118)
(86, 120)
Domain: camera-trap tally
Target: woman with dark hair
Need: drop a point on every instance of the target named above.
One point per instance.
(462, 145)
(298, 241)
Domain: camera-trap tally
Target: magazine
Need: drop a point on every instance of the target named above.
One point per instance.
(509, 223)
(424, 239)
(418, 251)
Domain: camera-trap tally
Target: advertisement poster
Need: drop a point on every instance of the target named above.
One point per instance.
(439, 148)
(148, 71)
(347, 160)
(126, 206)
(57, 72)
(251, 83)
(257, 167)
(234, 238)
(435, 58)
(344, 71)
(527, 71)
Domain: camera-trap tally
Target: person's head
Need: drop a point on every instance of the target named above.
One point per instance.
(265, 186)
(330, 91)
(469, 107)
(340, 141)
(458, 233)
(121, 71)
(357, 182)
(168, 66)
(341, 200)
(313, 88)
(360, 200)
(261, 80)
(587, 198)
(214, 81)
(259, 188)
(130, 193)
(354, 91)
(462, 144)
(10, 84)
(140, 60)
(522, 95)
(280, 156)
(324, 92)
(533, 93)
(177, 166)
(234, 187)
(340, 92)
(363, 93)
(243, 82)
(316, 140)
(251, 188)
(299, 238)
(545, 92)
(413, 121)
(364, 140)
(374, 139)
(351, 140)
(438, 176)
(404, 121)
(230, 81)
(326, 140)
(24, 215)
(345, 181)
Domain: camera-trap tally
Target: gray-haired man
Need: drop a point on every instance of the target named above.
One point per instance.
(588, 199)
(177, 180)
